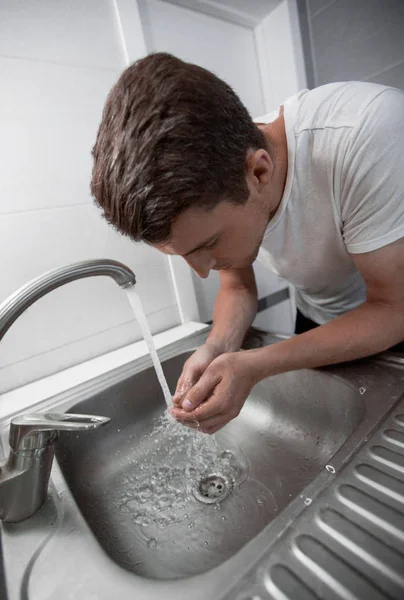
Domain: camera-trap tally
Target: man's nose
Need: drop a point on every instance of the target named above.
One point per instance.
(201, 266)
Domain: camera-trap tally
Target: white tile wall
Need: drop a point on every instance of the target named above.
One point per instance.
(48, 121)
(61, 236)
(58, 60)
(77, 32)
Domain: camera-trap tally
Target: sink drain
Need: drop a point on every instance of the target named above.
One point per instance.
(213, 488)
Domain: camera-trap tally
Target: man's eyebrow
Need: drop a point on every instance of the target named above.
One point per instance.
(205, 243)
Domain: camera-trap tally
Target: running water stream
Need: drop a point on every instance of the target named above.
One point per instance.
(160, 488)
(140, 315)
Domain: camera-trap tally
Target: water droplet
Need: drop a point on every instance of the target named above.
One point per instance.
(191, 524)
(362, 390)
(206, 543)
(307, 501)
(260, 500)
(223, 518)
(152, 543)
(330, 468)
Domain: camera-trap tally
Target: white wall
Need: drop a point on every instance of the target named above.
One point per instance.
(280, 54)
(225, 48)
(58, 60)
(231, 51)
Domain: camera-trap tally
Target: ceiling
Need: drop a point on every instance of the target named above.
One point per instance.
(248, 13)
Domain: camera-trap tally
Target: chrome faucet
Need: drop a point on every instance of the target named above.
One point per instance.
(24, 476)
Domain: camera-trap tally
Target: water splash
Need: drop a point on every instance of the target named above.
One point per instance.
(157, 490)
(141, 318)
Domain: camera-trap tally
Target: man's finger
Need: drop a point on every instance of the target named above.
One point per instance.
(201, 390)
(185, 383)
(209, 409)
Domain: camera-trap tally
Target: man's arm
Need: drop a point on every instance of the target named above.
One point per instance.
(372, 327)
(235, 308)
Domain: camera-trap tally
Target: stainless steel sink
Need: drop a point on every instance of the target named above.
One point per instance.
(147, 508)
(153, 515)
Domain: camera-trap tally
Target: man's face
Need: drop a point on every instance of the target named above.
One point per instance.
(227, 236)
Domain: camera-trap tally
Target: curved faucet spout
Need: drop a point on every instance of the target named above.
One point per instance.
(24, 476)
(18, 302)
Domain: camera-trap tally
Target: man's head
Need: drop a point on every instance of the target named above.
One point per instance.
(179, 163)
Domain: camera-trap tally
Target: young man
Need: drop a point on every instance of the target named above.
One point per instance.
(318, 186)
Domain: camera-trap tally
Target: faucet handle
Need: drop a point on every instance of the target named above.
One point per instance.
(37, 430)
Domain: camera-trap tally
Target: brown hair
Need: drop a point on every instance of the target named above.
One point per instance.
(172, 135)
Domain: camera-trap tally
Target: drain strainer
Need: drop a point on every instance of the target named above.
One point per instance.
(213, 488)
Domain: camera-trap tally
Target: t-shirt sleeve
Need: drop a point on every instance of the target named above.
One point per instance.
(372, 176)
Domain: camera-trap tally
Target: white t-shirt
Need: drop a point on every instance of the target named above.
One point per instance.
(344, 192)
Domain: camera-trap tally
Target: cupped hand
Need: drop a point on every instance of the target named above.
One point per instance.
(192, 371)
(220, 393)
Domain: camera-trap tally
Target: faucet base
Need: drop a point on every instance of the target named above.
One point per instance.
(24, 482)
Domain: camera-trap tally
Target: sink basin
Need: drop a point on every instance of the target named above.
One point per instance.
(166, 502)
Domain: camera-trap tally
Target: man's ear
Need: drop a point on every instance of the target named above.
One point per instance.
(259, 168)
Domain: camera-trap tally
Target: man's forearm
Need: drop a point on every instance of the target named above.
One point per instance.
(235, 309)
(368, 329)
